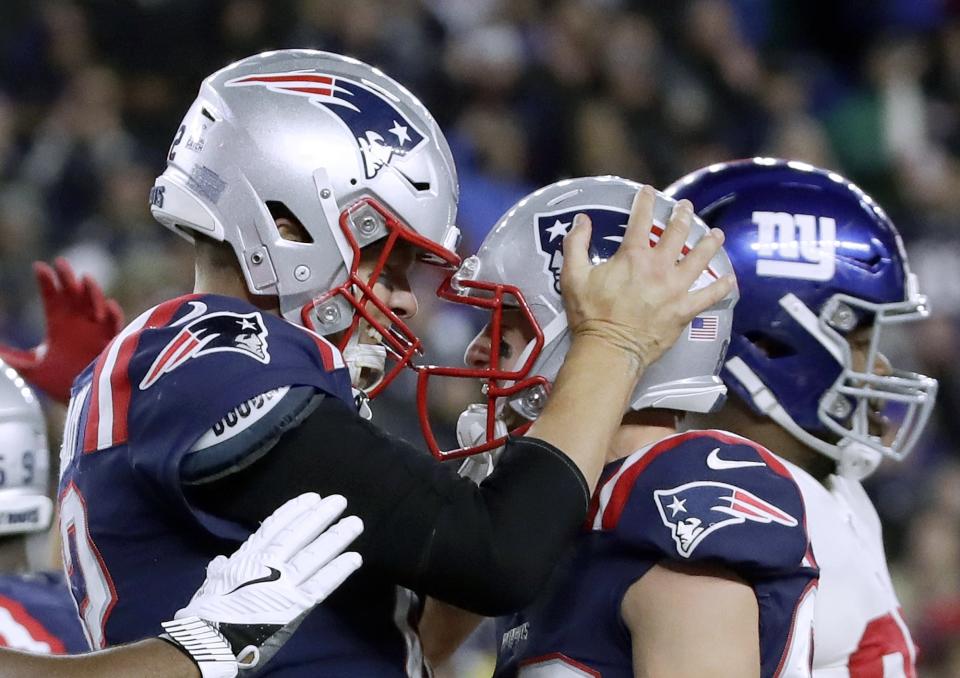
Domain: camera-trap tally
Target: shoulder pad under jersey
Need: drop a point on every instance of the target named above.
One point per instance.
(706, 495)
(177, 369)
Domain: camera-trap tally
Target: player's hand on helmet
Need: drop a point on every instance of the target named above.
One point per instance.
(253, 601)
(639, 300)
(81, 321)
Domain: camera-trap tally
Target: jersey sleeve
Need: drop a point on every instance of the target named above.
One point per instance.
(184, 368)
(707, 496)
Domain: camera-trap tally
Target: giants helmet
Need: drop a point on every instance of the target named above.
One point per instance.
(346, 150)
(24, 464)
(815, 258)
(518, 266)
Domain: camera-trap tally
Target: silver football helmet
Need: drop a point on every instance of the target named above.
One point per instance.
(24, 462)
(346, 150)
(518, 266)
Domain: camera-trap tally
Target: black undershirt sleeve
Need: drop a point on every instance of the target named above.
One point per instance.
(487, 549)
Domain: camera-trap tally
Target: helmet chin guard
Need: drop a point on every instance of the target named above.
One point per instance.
(499, 384)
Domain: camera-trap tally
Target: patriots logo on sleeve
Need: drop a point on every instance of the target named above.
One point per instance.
(243, 333)
(695, 510)
(380, 129)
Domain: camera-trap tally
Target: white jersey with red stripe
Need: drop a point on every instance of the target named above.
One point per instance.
(699, 496)
(859, 631)
(134, 546)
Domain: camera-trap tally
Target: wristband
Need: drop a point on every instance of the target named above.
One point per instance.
(204, 644)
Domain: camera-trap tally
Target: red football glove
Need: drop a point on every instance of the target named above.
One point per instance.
(80, 324)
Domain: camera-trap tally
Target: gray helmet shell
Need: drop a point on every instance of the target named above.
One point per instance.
(24, 504)
(315, 132)
(685, 377)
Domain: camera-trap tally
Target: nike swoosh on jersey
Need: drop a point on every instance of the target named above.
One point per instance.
(273, 576)
(197, 309)
(717, 464)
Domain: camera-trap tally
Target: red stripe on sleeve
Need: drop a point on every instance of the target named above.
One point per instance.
(621, 491)
(120, 379)
(36, 630)
(93, 411)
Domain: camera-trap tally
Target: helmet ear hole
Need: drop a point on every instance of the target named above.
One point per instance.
(771, 347)
(418, 186)
(289, 226)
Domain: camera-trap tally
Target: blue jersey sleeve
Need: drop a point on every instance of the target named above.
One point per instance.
(39, 615)
(178, 370)
(707, 496)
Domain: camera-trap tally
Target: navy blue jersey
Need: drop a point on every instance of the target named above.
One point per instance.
(698, 496)
(135, 547)
(37, 614)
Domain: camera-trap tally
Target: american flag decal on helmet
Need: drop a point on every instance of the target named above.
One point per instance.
(704, 328)
(380, 129)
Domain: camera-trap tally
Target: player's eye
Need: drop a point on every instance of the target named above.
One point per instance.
(506, 351)
(386, 278)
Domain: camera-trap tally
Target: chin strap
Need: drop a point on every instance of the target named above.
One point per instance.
(471, 432)
(854, 460)
(366, 362)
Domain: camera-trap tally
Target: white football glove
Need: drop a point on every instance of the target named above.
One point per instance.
(253, 601)
(472, 431)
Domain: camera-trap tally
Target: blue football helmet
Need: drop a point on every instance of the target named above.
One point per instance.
(816, 259)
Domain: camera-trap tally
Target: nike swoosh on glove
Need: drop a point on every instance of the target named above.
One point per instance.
(253, 601)
(81, 321)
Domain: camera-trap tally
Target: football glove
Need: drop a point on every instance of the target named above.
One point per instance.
(253, 601)
(81, 321)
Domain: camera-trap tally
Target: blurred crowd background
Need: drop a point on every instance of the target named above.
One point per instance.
(528, 91)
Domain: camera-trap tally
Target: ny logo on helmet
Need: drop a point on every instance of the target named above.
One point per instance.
(788, 245)
(243, 333)
(552, 227)
(381, 131)
(695, 510)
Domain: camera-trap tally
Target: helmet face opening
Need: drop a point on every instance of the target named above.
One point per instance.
(367, 222)
(872, 404)
(502, 379)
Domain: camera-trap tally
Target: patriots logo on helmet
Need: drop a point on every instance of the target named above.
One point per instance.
(695, 510)
(380, 129)
(243, 333)
(608, 226)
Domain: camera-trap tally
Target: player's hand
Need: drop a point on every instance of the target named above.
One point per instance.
(81, 321)
(639, 300)
(254, 600)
